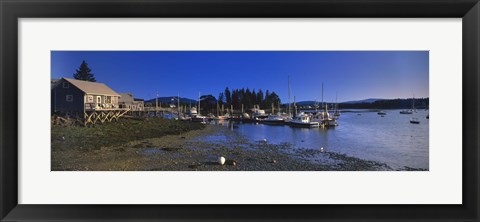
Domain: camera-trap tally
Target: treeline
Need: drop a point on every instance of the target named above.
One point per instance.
(249, 98)
(421, 103)
(238, 97)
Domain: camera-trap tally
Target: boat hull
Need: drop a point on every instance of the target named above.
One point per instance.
(304, 125)
(274, 122)
(197, 119)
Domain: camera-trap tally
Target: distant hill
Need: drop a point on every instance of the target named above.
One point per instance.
(306, 103)
(171, 99)
(312, 103)
(371, 100)
(373, 103)
(420, 103)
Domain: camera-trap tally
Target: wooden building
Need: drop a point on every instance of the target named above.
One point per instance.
(129, 102)
(77, 96)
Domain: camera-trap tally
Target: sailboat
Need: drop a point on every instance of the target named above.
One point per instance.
(323, 117)
(196, 115)
(413, 107)
(336, 114)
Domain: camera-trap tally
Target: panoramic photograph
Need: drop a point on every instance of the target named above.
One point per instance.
(239, 110)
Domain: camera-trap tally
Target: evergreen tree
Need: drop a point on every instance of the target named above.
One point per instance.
(260, 100)
(235, 99)
(267, 101)
(253, 97)
(228, 97)
(221, 98)
(84, 73)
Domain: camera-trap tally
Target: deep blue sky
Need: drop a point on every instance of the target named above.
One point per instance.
(354, 75)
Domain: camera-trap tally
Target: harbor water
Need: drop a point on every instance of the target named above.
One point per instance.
(390, 139)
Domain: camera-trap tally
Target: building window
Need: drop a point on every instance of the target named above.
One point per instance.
(90, 99)
(108, 99)
(69, 98)
(99, 99)
(66, 85)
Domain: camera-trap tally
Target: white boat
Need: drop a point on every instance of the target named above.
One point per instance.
(259, 114)
(193, 111)
(382, 113)
(411, 110)
(406, 112)
(325, 119)
(414, 120)
(303, 120)
(274, 119)
(195, 115)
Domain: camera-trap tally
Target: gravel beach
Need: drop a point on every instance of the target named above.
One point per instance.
(199, 150)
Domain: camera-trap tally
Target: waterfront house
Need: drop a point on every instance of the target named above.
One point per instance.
(74, 96)
(129, 102)
(53, 82)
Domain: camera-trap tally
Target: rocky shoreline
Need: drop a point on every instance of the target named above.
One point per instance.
(199, 150)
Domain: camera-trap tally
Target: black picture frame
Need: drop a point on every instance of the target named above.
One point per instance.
(11, 11)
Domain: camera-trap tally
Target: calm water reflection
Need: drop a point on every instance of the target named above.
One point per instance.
(391, 139)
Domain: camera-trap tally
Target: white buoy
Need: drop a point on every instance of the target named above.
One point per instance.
(321, 149)
(221, 160)
(265, 140)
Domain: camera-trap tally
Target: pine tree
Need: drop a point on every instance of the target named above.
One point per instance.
(228, 97)
(84, 73)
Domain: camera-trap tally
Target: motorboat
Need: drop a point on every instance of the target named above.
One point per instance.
(258, 114)
(303, 120)
(382, 113)
(195, 117)
(414, 120)
(406, 112)
(274, 120)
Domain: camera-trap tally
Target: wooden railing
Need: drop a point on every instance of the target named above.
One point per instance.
(101, 106)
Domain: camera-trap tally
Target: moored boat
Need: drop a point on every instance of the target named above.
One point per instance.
(303, 120)
(274, 120)
(325, 119)
(410, 111)
(406, 112)
(414, 121)
(382, 113)
(258, 114)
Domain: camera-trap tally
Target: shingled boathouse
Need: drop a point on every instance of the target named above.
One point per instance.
(96, 101)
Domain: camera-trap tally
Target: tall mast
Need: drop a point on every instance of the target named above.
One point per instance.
(336, 101)
(322, 95)
(199, 104)
(178, 105)
(156, 103)
(295, 105)
(413, 102)
(289, 103)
